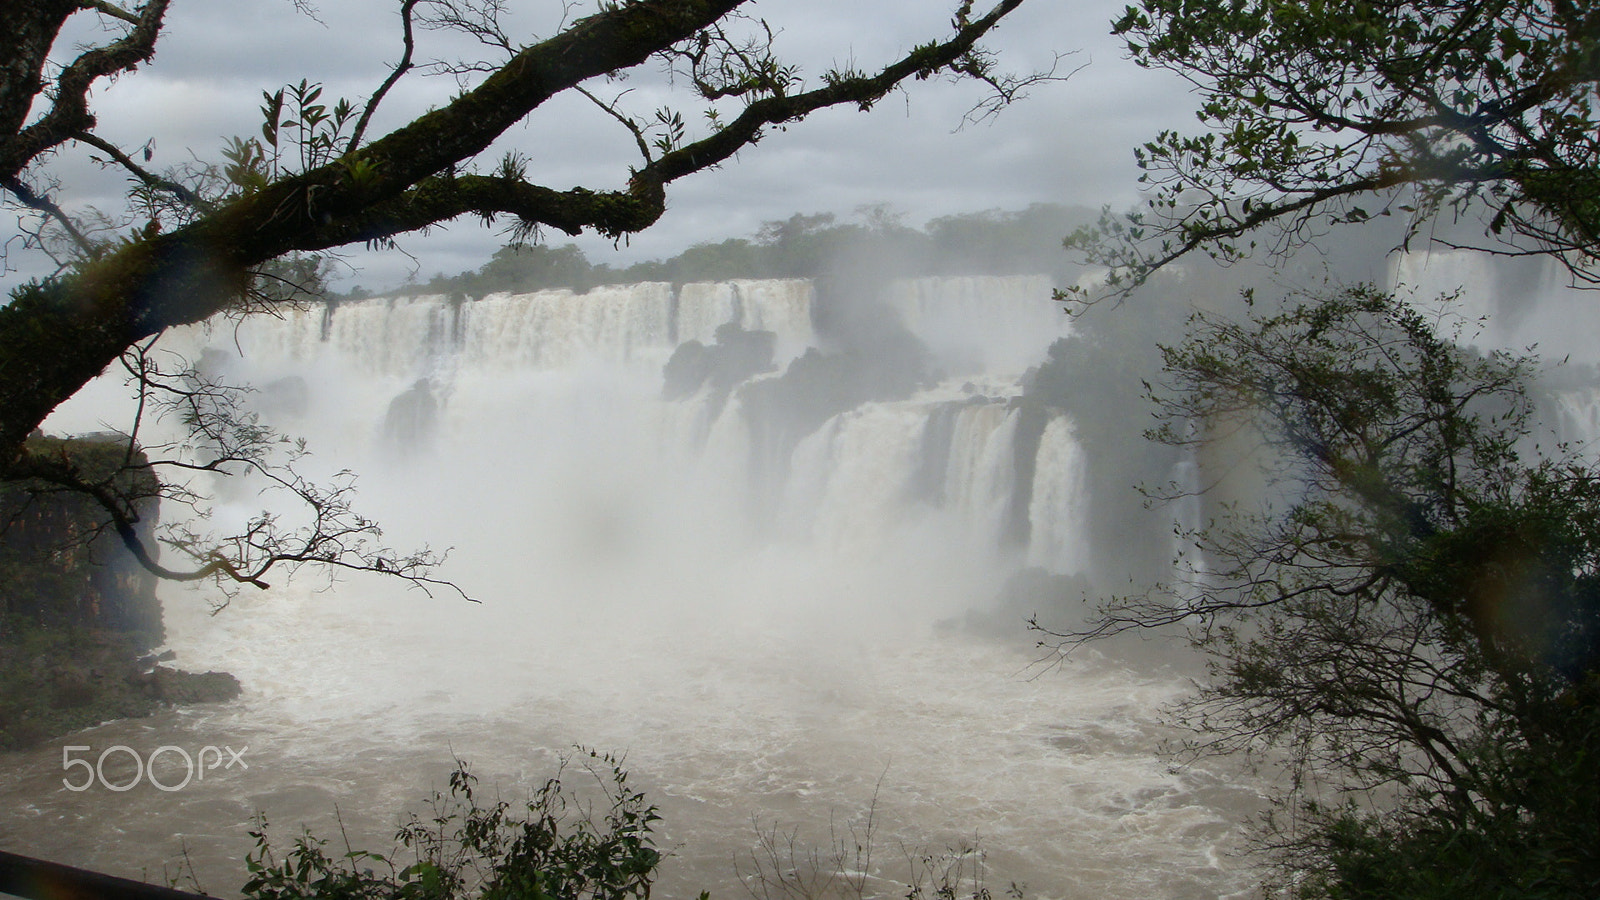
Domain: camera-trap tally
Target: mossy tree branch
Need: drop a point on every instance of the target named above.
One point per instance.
(58, 335)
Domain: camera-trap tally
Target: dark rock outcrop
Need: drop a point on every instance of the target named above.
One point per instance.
(60, 563)
(77, 611)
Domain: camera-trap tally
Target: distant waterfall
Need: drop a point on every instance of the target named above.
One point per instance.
(1504, 303)
(1189, 564)
(982, 323)
(1575, 420)
(982, 468)
(850, 479)
(1428, 275)
(858, 476)
(551, 329)
(1059, 510)
(433, 368)
(782, 306)
(404, 337)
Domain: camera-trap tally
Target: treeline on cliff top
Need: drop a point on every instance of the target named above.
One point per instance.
(876, 242)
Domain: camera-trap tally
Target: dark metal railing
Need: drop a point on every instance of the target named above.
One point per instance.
(37, 879)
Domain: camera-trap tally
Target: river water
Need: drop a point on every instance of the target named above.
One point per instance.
(731, 727)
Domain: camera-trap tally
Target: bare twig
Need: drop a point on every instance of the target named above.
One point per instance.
(400, 69)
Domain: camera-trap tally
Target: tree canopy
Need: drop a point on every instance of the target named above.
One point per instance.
(1393, 594)
(801, 246)
(229, 236)
(1319, 114)
(1398, 590)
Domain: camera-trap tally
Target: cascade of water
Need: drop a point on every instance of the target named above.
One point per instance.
(705, 306)
(1189, 566)
(783, 307)
(1059, 509)
(388, 369)
(867, 455)
(296, 337)
(810, 471)
(1504, 303)
(1465, 277)
(380, 336)
(726, 452)
(982, 468)
(1577, 418)
(981, 323)
(553, 329)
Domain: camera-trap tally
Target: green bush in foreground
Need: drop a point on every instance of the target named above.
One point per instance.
(552, 847)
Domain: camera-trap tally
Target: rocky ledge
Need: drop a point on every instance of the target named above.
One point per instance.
(77, 611)
(54, 682)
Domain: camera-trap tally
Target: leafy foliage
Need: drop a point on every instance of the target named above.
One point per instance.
(1534, 834)
(815, 245)
(1321, 113)
(297, 134)
(552, 848)
(1396, 598)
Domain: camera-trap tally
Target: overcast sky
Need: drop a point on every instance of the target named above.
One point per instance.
(1068, 142)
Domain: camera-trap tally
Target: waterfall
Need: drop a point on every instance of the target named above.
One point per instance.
(851, 478)
(783, 307)
(401, 338)
(547, 371)
(981, 470)
(747, 590)
(1189, 563)
(1432, 274)
(1510, 304)
(981, 323)
(1576, 418)
(553, 329)
(1059, 510)
(862, 478)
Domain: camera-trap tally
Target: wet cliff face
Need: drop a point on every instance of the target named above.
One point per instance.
(77, 611)
(62, 567)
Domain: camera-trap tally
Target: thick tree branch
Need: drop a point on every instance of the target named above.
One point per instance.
(615, 213)
(25, 45)
(863, 91)
(69, 111)
(391, 186)
(57, 335)
(618, 39)
(439, 199)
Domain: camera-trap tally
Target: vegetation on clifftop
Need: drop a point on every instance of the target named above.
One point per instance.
(817, 246)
